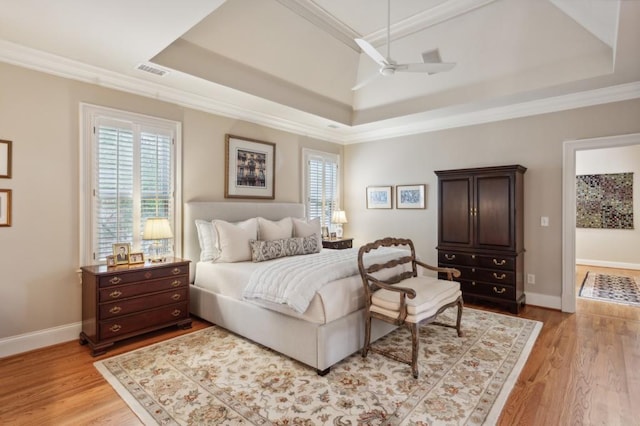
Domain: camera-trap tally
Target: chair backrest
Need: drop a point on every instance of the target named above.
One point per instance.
(367, 272)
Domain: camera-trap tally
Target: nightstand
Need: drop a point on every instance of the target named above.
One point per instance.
(338, 243)
(125, 301)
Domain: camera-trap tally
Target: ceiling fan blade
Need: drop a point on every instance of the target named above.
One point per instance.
(429, 68)
(371, 51)
(366, 81)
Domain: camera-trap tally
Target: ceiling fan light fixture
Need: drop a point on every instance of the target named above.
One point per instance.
(387, 71)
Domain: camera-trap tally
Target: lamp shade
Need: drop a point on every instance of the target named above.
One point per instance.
(339, 216)
(157, 228)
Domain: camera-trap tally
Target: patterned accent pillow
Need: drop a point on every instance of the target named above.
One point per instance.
(274, 249)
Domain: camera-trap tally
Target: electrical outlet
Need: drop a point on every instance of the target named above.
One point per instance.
(544, 221)
(531, 279)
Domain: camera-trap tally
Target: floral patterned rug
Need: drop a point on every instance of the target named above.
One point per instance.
(611, 288)
(212, 376)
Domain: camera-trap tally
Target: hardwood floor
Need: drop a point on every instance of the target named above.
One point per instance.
(584, 369)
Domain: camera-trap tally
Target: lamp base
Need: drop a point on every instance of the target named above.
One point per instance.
(339, 230)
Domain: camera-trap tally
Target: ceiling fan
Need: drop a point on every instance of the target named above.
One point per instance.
(432, 63)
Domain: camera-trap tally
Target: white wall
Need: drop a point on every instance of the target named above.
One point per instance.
(611, 247)
(534, 142)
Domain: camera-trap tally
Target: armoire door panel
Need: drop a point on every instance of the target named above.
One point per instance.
(493, 213)
(455, 221)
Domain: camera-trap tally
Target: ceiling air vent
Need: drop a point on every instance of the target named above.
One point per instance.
(152, 69)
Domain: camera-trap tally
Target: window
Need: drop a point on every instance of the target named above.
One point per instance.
(321, 184)
(129, 168)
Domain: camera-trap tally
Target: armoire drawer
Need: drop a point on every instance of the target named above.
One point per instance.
(488, 289)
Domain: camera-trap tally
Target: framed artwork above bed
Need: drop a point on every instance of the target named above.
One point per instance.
(249, 168)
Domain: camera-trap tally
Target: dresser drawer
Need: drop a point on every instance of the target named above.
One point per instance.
(488, 289)
(144, 274)
(457, 258)
(137, 304)
(126, 291)
(155, 318)
(506, 263)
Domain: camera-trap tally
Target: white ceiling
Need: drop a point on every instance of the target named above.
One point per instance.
(291, 64)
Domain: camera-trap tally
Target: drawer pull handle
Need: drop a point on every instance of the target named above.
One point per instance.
(115, 294)
(473, 269)
(176, 313)
(175, 271)
(502, 262)
(176, 283)
(115, 309)
(176, 296)
(499, 291)
(115, 280)
(473, 283)
(473, 256)
(449, 256)
(499, 277)
(115, 328)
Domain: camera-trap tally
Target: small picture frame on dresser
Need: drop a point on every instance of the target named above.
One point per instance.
(111, 261)
(136, 258)
(121, 253)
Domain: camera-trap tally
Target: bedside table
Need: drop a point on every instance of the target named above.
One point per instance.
(125, 301)
(338, 243)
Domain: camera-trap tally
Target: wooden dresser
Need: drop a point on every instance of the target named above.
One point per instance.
(128, 300)
(480, 231)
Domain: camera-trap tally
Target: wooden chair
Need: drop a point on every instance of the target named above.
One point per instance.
(405, 299)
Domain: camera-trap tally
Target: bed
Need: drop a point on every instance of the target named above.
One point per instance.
(318, 337)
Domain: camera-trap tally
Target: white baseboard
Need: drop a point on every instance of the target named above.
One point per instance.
(608, 264)
(544, 300)
(39, 339)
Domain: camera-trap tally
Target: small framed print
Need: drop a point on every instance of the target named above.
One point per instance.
(111, 261)
(249, 168)
(5, 207)
(410, 196)
(5, 159)
(121, 253)
(137, 257)
(379, 197)
(325, 232)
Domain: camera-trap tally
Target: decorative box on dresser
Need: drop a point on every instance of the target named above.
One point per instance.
(128, 300)
(481, 232)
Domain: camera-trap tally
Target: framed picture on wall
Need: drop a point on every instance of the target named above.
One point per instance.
(5, 159)
(379, 197)
(249, 168)
(410, 196)
(5, 207)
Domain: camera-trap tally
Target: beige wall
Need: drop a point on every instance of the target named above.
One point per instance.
(612, 247)
(535, 142)
(39, 253)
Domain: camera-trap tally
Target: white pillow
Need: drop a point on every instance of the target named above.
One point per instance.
(304, 228)
(271, 230)
(233, 239)
(208, 239)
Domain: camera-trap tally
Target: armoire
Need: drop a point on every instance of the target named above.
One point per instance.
(481, 232)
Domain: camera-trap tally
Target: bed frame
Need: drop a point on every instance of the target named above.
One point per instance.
(317, 345)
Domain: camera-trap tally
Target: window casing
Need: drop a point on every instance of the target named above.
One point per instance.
(321, 185)
(129, 167)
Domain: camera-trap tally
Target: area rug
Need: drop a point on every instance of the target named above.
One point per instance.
(212, 376)
(611, 288)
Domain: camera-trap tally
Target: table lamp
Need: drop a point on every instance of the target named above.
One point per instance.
(339, 217)
(157, 229)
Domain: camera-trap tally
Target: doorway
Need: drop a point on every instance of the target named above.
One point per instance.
(569, 207)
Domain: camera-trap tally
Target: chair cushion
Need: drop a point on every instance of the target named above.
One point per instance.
(431, 295)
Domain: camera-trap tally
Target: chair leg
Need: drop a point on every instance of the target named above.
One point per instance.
(367, 336)
(460, 305)
(414, 350)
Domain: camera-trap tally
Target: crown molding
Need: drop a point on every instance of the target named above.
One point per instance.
(231, 103)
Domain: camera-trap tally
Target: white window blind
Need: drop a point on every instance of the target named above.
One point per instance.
(133, 177)
(321, 186)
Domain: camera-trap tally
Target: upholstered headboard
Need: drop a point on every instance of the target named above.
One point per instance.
(229, 211)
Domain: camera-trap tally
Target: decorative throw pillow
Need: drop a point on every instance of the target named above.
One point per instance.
(274, 249)
(305, 228)
(272, 230)
(233, 239)
(207, 238)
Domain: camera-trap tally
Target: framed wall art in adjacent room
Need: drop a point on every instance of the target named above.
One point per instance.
(5, 207)
(5, 159)
(411, 196)
(249, 168)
